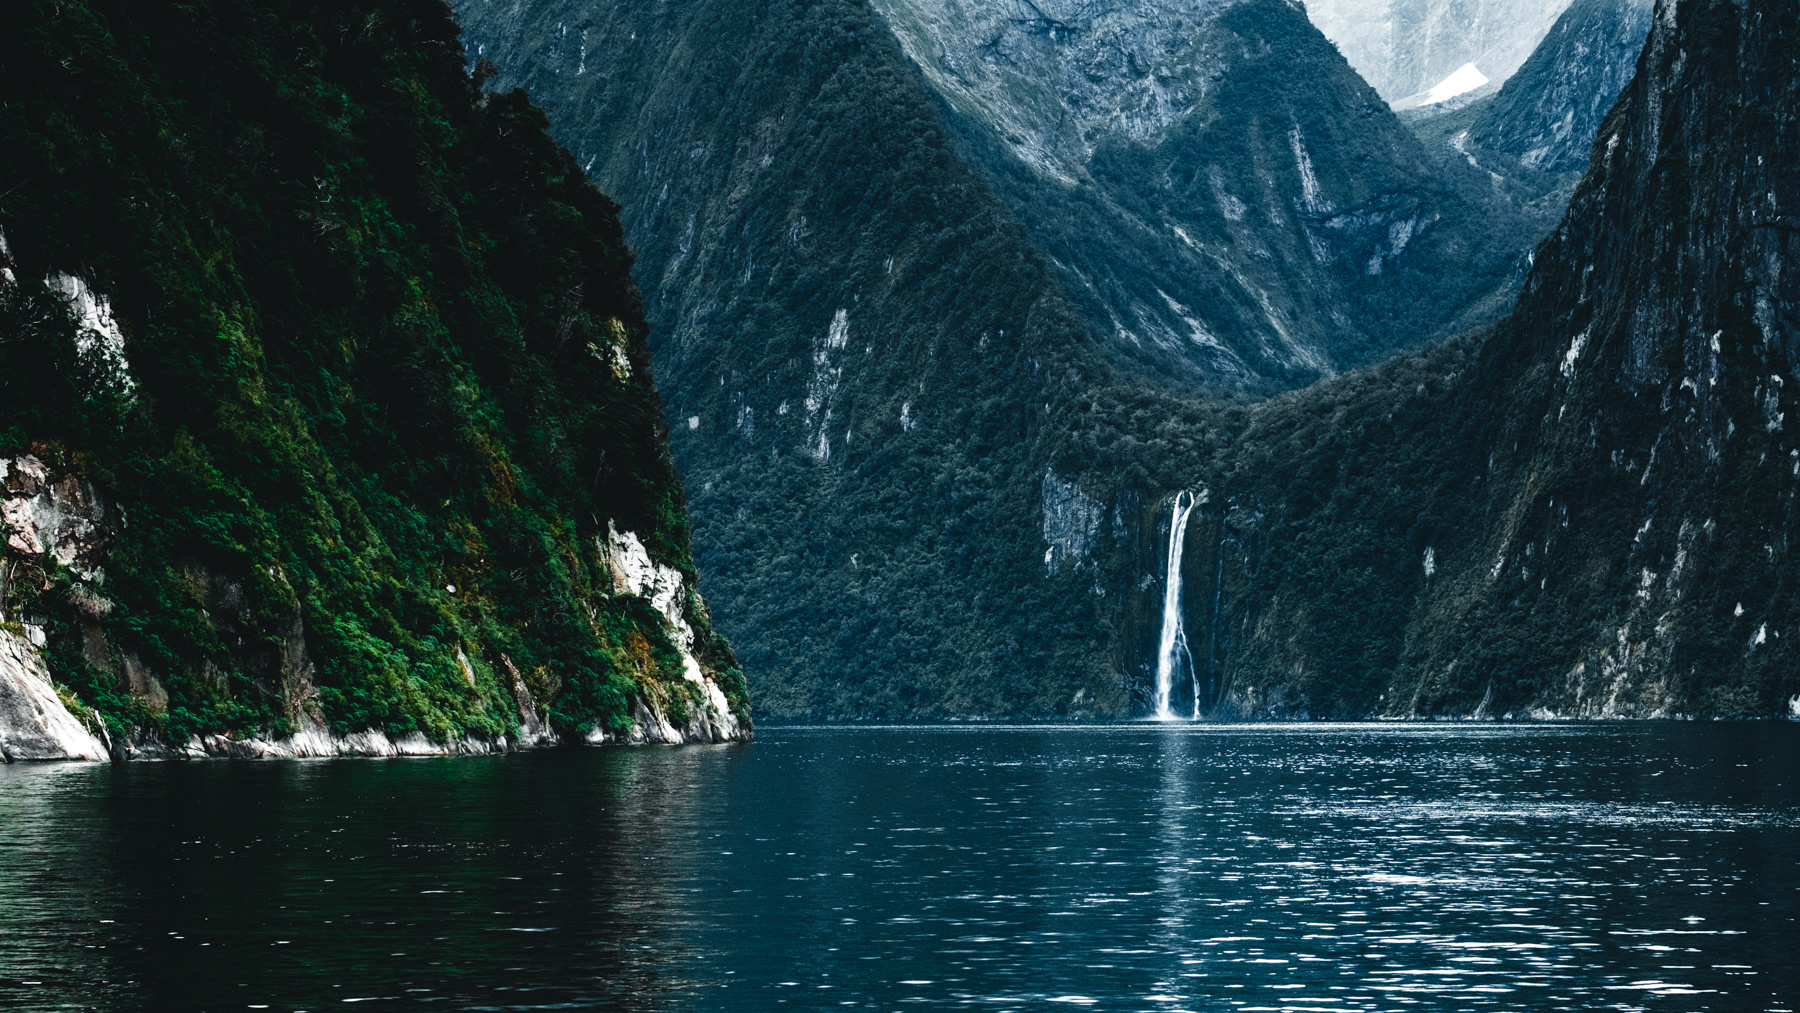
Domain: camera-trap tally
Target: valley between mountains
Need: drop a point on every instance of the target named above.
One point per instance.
(953, 304)
(389, 378)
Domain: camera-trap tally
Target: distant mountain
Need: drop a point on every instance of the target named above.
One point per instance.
(1588, 511)
(1548, 114)
(1406, 47)
(1220, 193)
(1534, 136)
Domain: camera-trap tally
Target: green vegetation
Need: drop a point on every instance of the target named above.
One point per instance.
(390, 376)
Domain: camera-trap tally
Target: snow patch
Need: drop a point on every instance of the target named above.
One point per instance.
(1464, 79)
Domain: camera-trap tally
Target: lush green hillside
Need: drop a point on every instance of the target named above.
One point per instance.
(373, 443)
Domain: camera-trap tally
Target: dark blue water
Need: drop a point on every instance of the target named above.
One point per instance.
(1643, 867)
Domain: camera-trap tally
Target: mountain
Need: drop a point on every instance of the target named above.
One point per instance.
(1535, 134)
(1222, 196)
(328, 425)
(861, 349)
(1584, 512)
(886, 277)
(1406, 47)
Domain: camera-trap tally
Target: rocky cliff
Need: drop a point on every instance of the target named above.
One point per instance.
(328, 424)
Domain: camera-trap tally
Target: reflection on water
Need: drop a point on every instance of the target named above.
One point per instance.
(1130, 868)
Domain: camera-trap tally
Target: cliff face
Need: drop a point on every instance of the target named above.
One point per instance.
(1588, 511)
(328, 424)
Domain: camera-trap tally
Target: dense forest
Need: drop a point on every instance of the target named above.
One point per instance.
(325, 365)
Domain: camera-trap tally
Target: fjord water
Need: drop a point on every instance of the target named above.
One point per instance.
(1161, 868)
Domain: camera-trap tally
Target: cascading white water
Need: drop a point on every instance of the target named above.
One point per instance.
(1174, 633)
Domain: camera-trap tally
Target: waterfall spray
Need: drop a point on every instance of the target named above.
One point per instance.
(1174, 633)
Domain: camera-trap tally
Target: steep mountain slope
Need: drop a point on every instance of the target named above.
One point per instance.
(1586, 512)
(1535, 135)
(1549, 112)
(859, 344)
(327, 419)
(871, 308)
(1222, 195)
(1404, 47)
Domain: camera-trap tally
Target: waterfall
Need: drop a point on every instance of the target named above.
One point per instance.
(1174, 634)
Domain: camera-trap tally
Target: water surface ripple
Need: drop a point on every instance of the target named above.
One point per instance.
(1160, 868)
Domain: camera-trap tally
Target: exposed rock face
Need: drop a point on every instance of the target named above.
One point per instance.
(35, 724)
(61, 520)
(1403, 47)
(1057, 78)
(709, 717)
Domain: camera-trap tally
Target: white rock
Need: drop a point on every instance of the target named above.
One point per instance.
(664, 587)
(34, 723)
(98, 331)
